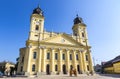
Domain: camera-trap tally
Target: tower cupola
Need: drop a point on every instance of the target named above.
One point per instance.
(79, 29)
(38, 11)
(78, 20)
(37, 24)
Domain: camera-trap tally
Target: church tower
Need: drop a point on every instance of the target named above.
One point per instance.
(79, 30)
(52, 52)
(36, 24)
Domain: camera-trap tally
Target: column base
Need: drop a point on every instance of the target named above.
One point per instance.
(60, 73)
(52, 73)
(27, 74)
(81, 72)
(43, 73)
(39, 74)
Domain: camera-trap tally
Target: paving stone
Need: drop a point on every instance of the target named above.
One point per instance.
(83, 76)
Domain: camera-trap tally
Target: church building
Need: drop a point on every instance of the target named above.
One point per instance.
(54, 53)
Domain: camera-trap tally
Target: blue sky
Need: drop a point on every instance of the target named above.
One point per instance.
(101, 17)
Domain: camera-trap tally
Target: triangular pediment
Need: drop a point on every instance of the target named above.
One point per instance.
(62, 39)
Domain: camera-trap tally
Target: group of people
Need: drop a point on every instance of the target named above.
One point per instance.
(74, 71)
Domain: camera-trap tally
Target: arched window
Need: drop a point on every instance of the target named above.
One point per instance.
(63, 56)
(56, 56)
(78, 69)
(21, 69)
(33, 67)
(37, 27)
(77, 57)
(56, 68)
(71, 67)
(75, 33)
(86, 57)
(70, 56)
(22, 59)
(48, 55)
(34, 55)
(83, 35)
(88, 67)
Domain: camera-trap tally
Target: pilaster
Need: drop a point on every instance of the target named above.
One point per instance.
(74, 59)
(67, 59)
(29, 51)
(60, 61)
(28, 65)
(90, 62)
(52, 61)
(39, 59)
(81, 62)
(84, 61)
(43, 60)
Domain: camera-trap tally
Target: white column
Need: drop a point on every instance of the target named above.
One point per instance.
(81, 62)
(74, 59)
(84, 61)
(29, 51)
(90, 62)
(60, 61)
(67, 59)
(44, 60)
(39, 59)
(52, 61)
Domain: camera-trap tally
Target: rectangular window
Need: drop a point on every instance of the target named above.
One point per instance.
(56, 56)
(22, 59)
(48, 55)
(88, 67)
(56, 68)
(77, 57)
(70, 56)
(33, 67)
(86, 57)
(83, 35)
(63, 56)
(21, 69)
(36, 35)
(34, 55)
(37, 28)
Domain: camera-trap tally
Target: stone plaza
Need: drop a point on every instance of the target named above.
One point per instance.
(83, 76)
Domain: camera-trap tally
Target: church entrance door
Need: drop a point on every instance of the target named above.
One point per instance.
(47, 69)
(78, 69)
(64, 69)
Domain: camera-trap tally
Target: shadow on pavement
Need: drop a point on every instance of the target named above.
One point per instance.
(111, 75)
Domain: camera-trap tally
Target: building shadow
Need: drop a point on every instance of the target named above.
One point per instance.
(111, 75)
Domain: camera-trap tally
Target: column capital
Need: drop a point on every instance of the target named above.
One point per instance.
(30, 46)
(67, 49)
(52, 48)
(60, 48)
(81, 51)
(73, 50)
(42, 47)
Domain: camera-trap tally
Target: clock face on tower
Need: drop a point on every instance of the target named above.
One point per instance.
(37, 23)
(33, 18)
(62, 40)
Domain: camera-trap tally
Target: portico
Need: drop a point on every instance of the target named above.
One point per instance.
(54, 53)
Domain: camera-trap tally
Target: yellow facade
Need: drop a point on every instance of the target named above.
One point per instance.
(109, 69)
(116, 66)
(112, 66)
(113, 69)
(54, 53)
